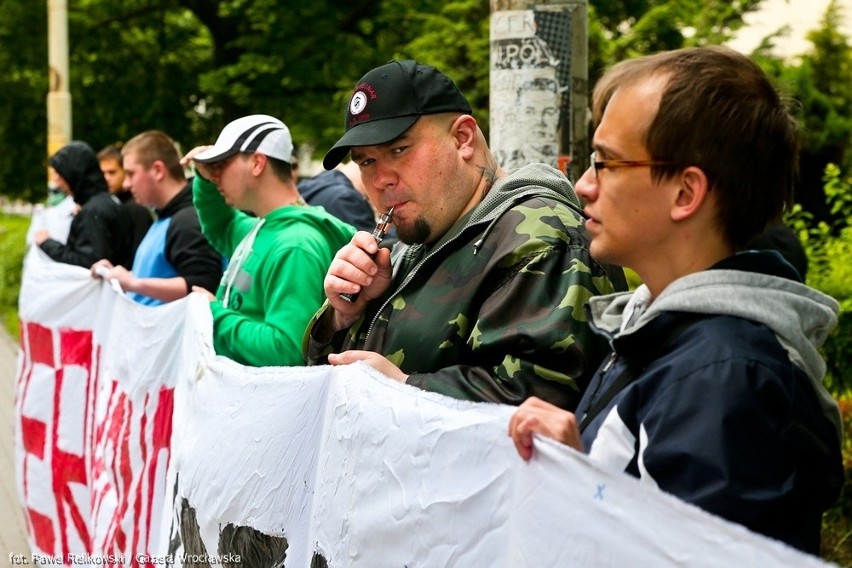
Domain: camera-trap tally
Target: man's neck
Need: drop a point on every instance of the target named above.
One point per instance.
(680, 261)
(169, 189)
(275, 196)
(488, 175)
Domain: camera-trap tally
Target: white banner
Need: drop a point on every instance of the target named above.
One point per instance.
(94, 406)
(136, 446)
(55, 219)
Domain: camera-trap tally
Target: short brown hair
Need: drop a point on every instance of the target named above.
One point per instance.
(719, 112)
(153, 145)
(112, 152)
(282, 170)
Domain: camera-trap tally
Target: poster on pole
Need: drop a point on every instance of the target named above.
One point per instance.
(530, 84)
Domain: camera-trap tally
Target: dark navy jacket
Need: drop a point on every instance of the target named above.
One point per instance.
(718, 413)
(333, 191)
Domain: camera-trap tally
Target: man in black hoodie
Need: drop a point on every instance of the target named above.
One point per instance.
(101, 228)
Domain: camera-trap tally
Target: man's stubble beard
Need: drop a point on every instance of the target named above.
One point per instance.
(415, 235)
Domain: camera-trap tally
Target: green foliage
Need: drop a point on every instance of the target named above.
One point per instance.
(454, 39)
(23, 110)
(821, 86)
(621, 30)
(271, 65)
(131, 64)
(13, 231)
(829, 248)
(837, 521)
(189, 66)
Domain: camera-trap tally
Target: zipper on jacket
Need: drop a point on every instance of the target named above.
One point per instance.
(612, 358)
(593, 401)
(405, 282)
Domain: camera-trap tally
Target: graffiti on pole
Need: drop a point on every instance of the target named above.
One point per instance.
(530, 79)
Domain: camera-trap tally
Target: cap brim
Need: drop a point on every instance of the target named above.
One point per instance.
(214, 154)
(367, 134)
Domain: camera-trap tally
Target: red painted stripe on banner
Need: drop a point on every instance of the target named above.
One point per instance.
(140, 488)
(42, 527)
(34, 435)
(76, 347)
(161, 440)
(41, 344)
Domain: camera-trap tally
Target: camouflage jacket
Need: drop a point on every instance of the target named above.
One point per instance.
(493, 311)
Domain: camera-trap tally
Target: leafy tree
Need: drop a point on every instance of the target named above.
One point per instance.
(620, 30)
(821, 83)
(454, 38)
(189, 66)
(23, 110)
(133, 68)
(289, 61)
(305, 78)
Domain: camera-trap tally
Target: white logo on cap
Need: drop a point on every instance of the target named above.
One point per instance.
(358, 103)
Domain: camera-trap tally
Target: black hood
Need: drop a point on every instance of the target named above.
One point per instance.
(78, 164)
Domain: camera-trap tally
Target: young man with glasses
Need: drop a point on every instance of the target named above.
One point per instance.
(714, 390)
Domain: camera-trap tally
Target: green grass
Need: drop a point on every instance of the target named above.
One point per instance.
(13, 231)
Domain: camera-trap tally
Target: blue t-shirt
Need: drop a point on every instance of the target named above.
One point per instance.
(150, 260)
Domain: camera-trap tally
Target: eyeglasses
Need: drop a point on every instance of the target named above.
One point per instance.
(596, 164)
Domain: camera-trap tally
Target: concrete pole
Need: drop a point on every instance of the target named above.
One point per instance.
(539, 83)
(58, 97)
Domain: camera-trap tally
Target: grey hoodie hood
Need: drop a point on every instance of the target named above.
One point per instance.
(800, 317)
(534, 179)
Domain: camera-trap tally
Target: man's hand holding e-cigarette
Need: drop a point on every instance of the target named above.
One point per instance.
(360, 272)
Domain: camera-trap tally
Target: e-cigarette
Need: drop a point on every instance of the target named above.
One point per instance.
(378, 233)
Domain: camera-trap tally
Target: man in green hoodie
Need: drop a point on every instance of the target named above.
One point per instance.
(483, 298)
(278, 259)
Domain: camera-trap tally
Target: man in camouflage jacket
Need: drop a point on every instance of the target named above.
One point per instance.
(485, 298)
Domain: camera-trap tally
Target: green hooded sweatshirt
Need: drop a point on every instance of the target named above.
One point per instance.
(274, 282)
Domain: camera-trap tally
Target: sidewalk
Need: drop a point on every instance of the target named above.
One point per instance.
(13, 532)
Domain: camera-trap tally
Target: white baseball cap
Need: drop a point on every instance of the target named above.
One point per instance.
(255, 133)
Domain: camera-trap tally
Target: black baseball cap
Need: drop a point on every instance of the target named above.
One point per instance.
(388, 100)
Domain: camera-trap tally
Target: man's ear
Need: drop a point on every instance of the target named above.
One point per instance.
(258, 162)
(692, 193)
(159, 169)
(463, 131)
